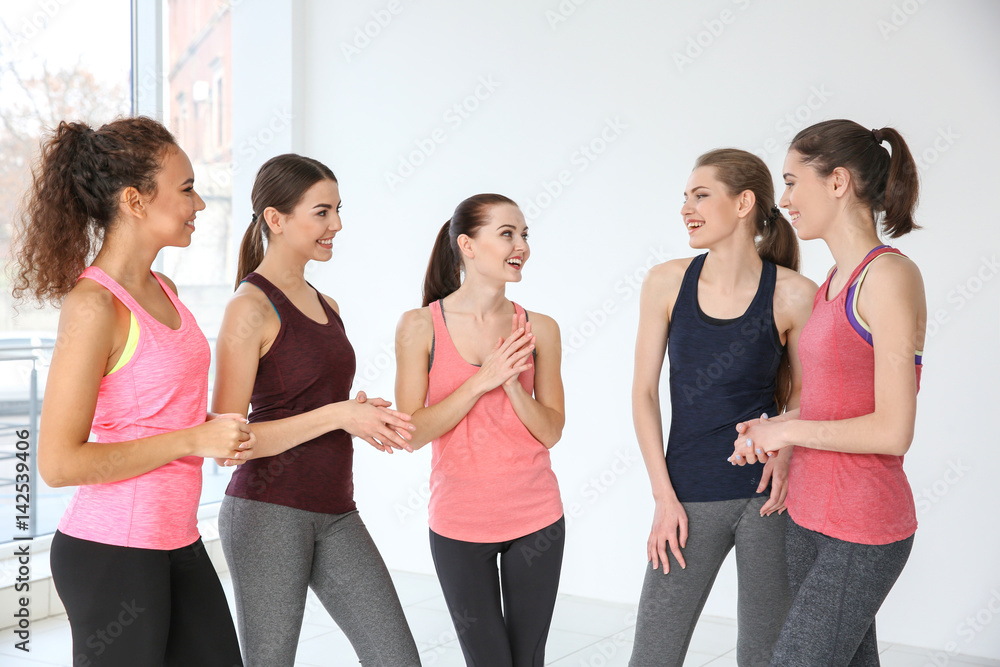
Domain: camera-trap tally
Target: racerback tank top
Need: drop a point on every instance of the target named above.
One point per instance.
(491, 480)
(722, 372)
(308, 365)
(163, 387)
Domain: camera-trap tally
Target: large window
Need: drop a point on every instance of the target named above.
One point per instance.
(73, 60)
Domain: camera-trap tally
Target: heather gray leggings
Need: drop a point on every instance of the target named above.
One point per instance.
(275, 553)
(836, 587)
(671, 603)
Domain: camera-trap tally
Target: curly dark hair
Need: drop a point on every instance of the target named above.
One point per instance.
(73, 200)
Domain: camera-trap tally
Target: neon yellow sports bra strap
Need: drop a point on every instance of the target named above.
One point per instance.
(130, 344)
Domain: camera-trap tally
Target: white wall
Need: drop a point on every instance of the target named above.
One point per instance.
(564, 75)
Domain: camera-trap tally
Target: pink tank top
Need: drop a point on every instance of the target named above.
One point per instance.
(861, 498)
(491, 480)
(162, 388)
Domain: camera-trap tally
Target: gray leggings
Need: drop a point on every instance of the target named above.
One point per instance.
(275, 553)
(671, 603)
(837, 587)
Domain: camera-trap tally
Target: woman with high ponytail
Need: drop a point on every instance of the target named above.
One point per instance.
(480, 375)
(288, 522)
(130, 366)
(729, 319)
(851, 511)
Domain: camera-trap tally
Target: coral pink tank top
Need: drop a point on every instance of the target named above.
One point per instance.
(861, 498)
(162, 388)
(491, 480)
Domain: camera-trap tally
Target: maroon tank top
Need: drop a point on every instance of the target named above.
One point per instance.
(308, 365)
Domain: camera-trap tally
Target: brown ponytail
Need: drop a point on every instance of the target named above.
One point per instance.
(886, 184)
(73, 200)
(444, 268)
(773, 235)
(280, 184)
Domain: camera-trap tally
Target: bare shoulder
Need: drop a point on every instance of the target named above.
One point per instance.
(333, 304)
(168, 281)
(895, 272)
(250, 304)
(91, 302)
(415, 326)
(793, 288)
(543, 324)
(669, 273)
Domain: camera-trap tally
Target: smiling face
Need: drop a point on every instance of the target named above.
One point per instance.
(310, 227)
(172, 210)
(810, 198)
(500, 247)
(709, 212)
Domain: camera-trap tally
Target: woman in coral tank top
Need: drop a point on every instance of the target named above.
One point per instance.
(131, 366)
(851, 507)
(480, 376)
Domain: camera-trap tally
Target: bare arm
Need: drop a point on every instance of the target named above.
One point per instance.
(543, 414)
(87, 330)
(892, 302)
(670, 527)
(248, 325)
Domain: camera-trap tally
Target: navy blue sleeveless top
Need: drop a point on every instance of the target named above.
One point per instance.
(722, 372)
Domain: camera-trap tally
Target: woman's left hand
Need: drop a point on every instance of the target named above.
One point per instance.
(775, 472)
(249, 443)
(757, 441)
(519, 322)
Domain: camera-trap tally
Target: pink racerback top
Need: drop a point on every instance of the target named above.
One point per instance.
(162, 388)
(491, 480)
(861, 498)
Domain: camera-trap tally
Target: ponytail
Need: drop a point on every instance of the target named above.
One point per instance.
(443, 270)
(280, 184)
(776, 241)
(901, 188)
(251, 249)
(886, 184)
(73, 199)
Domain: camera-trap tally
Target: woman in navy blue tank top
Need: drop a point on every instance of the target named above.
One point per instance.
(729, 321)
(288, 522)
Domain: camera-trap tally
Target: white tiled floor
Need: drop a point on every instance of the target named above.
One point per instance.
(585, 633)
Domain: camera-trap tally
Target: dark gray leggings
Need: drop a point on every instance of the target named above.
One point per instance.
(671, 603)
(275, 553)
(837, 587)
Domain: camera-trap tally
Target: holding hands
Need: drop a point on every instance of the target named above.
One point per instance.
(225, 437)
(758, 441)
(382, 428)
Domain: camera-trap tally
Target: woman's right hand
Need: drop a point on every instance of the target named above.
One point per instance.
(371, 420)
(508, 359)
(226, 437)
(670, 526)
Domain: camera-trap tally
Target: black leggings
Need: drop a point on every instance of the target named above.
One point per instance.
(511, 635)
(133, 607)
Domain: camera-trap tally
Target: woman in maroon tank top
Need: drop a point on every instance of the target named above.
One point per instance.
(851, 508)
(288, 522)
